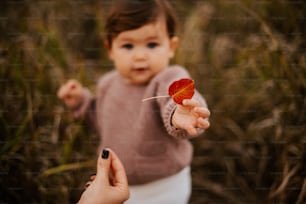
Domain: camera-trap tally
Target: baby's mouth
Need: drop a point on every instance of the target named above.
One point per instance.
(140, 69)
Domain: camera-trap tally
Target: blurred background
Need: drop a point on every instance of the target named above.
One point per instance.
(247, 57)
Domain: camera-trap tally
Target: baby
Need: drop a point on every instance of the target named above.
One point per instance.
(151, 137)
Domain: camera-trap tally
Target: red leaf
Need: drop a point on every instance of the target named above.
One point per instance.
(181, 89)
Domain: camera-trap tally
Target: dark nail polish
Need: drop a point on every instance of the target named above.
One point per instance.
(105, 154)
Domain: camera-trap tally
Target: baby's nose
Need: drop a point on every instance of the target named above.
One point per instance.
(140, 54)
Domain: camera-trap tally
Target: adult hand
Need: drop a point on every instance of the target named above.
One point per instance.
(190, 116)
(110, 185)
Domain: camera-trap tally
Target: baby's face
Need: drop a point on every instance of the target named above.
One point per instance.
(140, 54)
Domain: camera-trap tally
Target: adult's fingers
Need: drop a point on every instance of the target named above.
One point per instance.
(103, 167)
(92, 176)
(119, 174)
(87, 184)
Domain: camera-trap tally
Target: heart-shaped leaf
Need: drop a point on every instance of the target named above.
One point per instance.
(181, 89)
(178, 90)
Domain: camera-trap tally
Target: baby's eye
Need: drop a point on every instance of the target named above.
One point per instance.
(127, 46)
(152, 45)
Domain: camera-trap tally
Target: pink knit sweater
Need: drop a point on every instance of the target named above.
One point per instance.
(140, 132)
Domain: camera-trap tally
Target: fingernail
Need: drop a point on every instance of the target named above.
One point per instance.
(87, 184)
(105, 154)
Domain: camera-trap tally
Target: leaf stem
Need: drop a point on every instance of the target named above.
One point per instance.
(154, 97)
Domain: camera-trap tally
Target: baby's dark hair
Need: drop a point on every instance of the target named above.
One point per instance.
(132, 14)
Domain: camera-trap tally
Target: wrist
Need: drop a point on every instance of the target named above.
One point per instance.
(78, 105)
(80, 99)
(172, 122)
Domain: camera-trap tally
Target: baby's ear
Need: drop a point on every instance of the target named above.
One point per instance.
(174, 41)
(108, 48)
(106, 44)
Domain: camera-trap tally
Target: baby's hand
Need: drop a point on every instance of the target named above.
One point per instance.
(71, 93)
(191, 115)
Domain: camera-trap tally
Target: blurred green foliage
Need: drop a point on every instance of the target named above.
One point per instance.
(247, 57)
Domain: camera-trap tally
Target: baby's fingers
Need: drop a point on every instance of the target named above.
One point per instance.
(61, 93)
(191, 103)
(191, 130)
(66, 90)
(203, 123)
(202, 112)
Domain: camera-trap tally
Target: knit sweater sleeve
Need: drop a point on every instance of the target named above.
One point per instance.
(168, 106)
(87, 108)
(81, 109)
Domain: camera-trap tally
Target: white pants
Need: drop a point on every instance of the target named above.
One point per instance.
(174, 189)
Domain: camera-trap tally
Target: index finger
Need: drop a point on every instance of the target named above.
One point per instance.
(191, 103)
(65, 89)
(118, 171)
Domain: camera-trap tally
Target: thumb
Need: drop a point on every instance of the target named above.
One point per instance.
(61, 92)
(103, 167)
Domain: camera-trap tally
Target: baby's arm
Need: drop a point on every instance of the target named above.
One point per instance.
(190, 116)
(181, 121)
(71, 93)
(76, 97)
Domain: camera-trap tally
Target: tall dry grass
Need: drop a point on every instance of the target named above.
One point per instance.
(247, 58)
(250, 65)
